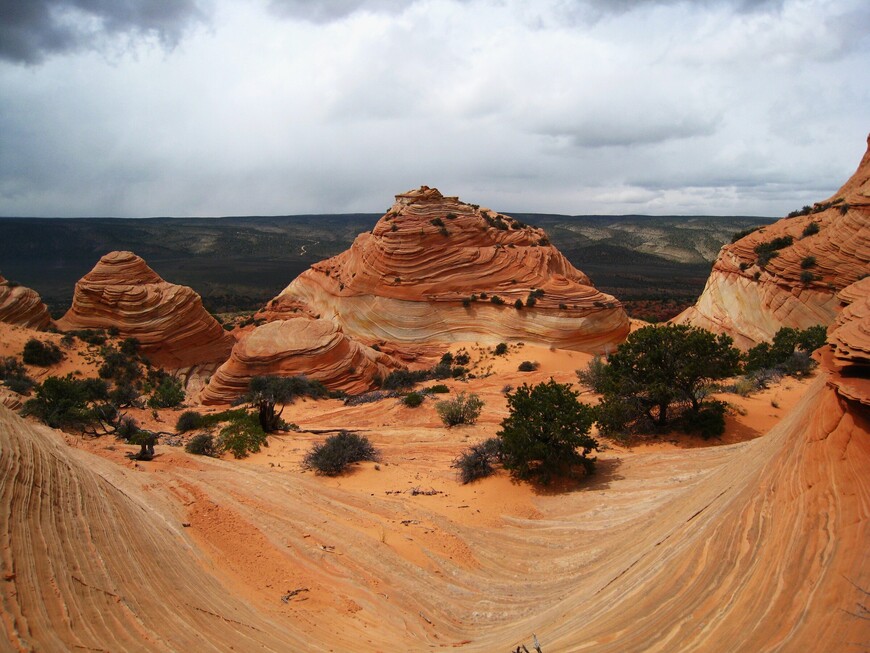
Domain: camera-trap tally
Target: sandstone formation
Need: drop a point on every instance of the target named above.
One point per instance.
(829, 250)
(22, 306)
(849, 355)
(298, 346)
(173, 328)
(429, 271)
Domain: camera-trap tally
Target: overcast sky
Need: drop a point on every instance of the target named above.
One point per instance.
(138, 108)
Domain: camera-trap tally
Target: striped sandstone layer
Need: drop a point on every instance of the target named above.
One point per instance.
(173, 328)
(429, 270)
(849, 356)
(751, 302)
(22, 306)
(298, 346)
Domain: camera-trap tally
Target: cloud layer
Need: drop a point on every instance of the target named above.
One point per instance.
(135, 108)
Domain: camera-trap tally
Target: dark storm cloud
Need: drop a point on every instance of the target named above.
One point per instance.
(30, 30)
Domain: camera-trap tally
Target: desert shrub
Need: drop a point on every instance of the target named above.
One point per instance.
(767, 251)
(708, 421)
(518, 304)
(119, 366)
(546, 432)
(785, 342)
(128, 428)
(458, 372)
(43, 354)
(808, 262)
(462, 409)
(495, 299)
(438, 222)
(90, 336)
(618, 417)
(67, 402)
(267, 392)
(478, 461)
(124, 395)
(337, 452)
(527, 366)
(242, 436)
(594, 376)
(168, 394)
(130, 346)
(14, 375)
(461, 358)
(406, 379)
(811, 229)
(412, 399)
(743, 233)
(438, 389)
(202, 444)
(745, 386)
(798, 364)
(188, 421)
(807, 277)
(501, 349)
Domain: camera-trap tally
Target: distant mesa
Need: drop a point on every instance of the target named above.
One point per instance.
(22, 306)
(173, 328)
(789, 273)
(437, 270)
(298, 347)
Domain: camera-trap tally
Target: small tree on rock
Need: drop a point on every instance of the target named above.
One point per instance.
(547, 432)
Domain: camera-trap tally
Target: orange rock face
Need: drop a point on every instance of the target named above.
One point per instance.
(429, 270)
(174, 329)
(849, 356)
(298, 346)
(22, 306)
(798, 287)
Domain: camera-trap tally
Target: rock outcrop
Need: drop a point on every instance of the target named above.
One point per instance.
(298, 346)
(173, 328)
(22, 306)
(812, 255)
(437, 270)
(848, 358)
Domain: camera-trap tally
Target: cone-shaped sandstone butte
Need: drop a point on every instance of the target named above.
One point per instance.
(173, 328)
(298, 346)
(415, 277)
(751, 302)
(22, 306)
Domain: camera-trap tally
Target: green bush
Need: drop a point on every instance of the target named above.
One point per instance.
(478, 460)
(405, 379)
(808, 262)
(501, 349)
(775, 354)
(168, 394)
(242, 436)
(767, 251)
(267, 392)
(439, 389)
(339, 451)
(119, 366)
(594, 376)
(807, 277)
(67, 402)
(42, 354)
(189, 420)
(462, 409)
(495, 299)
(811, 229)
(90, 336)
(708, 421)
(527, 366)
(14, 375)
(202, 444)
(546, 432)
(412, 399)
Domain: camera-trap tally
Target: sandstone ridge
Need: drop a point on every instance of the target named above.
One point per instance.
(298, 346)
(822, 250)
(22, 306)
(173, 328)
(429, 272)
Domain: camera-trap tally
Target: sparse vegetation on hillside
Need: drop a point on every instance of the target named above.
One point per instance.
(271, 393)
(14, 375)
(67, 402)
(479, 460)
(41, 354)
(788, 353)
(769, 250)
(547, 432)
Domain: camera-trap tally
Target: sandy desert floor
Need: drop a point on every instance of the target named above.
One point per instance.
(755, 542)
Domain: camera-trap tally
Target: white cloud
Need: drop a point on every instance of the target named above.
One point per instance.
(561, 106)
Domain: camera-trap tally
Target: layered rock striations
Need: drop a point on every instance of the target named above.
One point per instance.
(789, 273)
(22, 306)
(173, 328)
(848, 358)
(435, 269)
(298, 346)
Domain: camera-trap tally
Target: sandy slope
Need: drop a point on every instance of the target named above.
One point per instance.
(753, 546)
